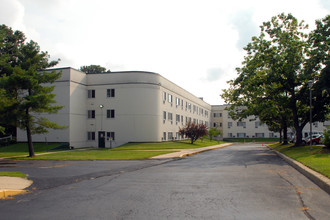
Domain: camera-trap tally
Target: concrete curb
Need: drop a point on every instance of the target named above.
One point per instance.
(204, 150)
(322, 181)
(9, 193)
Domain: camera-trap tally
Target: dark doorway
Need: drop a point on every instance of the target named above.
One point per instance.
(101, 139)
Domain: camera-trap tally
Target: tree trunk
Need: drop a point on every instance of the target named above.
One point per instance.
(285, 134)
(298, 136)
(28, 134)
(281, 135)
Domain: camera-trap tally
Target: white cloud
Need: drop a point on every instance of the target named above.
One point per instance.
(194, 43)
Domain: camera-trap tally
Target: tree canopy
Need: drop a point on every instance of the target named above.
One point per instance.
(273, 80)
(193, 131)
(92, 69)
(24, 84)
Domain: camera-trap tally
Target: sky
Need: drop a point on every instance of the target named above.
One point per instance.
(197, 44)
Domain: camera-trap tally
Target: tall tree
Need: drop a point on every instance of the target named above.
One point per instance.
(275, 72)
(25, 85)
(92, 69)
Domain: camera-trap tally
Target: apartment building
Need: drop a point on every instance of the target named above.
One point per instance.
(119, 107)
(250, 127)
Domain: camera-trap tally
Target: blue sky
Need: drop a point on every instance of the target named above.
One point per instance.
(196, 44)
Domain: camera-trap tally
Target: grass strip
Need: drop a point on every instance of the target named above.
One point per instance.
(13, 174)
(21, 149)
(317, 159)
(98, 154)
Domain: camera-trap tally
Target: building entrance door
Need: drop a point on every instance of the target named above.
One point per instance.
(101, 139)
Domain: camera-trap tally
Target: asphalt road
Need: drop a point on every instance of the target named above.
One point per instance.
(236, 182)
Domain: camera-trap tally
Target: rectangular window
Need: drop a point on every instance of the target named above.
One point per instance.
(170, 98)
(170, 117)
(91, 113)
(271, 135)
(90, 135)
(177, 118)
(110, 93)
(260, 135)
(220, 124)
(177, 135)
(164, 96)
(164, 115)
(177, 101)
(111, 135)
(110, 113)
(241, 124)
(241, 135)
(170, 135)
(182, 119)
(230, 135)
(164, 136)
(214, 125)
(91, 93)
(230, 124)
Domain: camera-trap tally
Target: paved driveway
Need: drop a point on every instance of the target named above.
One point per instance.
(236, 182)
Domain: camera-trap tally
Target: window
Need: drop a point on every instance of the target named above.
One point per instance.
(170, 98)
(164, 116)
(111, 135)
(170, 135)
(170, 117)
(177, 118)
(220, 124)
(177, 101)
(230, 124)
(189, 107)
(194, 108)
(258, 124)
(90, 135)
(177, 135)
(164, 96)
(271, 135)
(241, 135)
(230, 135)
(110, 113)
(241, 124)
(164, 136)
(91, 113)
(260, 135)
(91, 93)
(182, 119)
(217, 115)
(215, 125)
(110, 93)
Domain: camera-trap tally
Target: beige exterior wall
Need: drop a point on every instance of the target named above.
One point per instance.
(138, 108)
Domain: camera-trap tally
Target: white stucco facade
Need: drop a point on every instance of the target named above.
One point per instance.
(136, 107)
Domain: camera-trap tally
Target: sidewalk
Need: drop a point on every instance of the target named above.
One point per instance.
(188, 152)
(10, 186)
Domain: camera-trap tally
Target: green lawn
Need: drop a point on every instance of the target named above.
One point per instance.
(131, 151)
(100, 154)
(22, 149)
(317, 159)
(13, 174)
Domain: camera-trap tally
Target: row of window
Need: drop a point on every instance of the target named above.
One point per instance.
(91, 135)
(110, 113)
(188, 107)
(243, 124)
(257, 135)
(168, 136)
(110, 93)
(179, 118)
